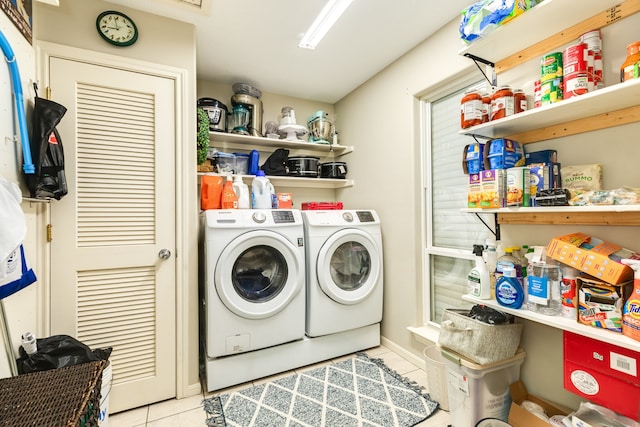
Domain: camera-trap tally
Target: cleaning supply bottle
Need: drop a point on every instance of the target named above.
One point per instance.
(229, 197)
(242, 191)
(490, 256)
(631, 309)
(478, 283)
(509, 291)
(569, 291)
(261, 192)
(254, 159)
(508, 260)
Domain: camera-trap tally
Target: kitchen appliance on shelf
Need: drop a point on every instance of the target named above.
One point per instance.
(240, 120)
(320, 128)
(217, 113)
(288, 127)
(249, 97)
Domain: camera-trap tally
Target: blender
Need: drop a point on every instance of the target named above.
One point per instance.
(240, 120)
(248, 97)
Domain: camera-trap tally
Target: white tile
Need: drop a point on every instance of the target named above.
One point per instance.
(377, 351)
(174, 406)
(192, 418)
(439, 418)
(131, 418)
(397, 363)
(419, 376)
(208, 394)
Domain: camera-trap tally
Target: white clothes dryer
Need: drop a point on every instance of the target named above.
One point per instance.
(254, 294)
(344, 270)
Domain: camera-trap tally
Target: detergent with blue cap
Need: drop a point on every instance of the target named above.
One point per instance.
(631, 309)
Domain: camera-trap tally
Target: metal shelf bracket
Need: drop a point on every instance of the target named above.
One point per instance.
(496, 233)
(491, 67)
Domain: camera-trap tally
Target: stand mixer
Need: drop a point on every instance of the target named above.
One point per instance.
(320, 128)
(249, 97)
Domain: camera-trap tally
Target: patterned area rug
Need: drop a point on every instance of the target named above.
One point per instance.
(360, 391)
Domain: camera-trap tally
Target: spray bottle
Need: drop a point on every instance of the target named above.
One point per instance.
(478, 283)
(631, 310)
(490, 256)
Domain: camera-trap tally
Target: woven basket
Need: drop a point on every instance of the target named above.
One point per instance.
(64, 397)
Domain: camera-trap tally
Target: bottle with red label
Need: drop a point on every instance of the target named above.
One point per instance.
(569, 292)
(631, 309)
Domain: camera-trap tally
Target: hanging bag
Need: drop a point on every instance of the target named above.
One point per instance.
(49, 181)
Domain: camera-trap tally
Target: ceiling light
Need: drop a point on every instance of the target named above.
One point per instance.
(323, 23)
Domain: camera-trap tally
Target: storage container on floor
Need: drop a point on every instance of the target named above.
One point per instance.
(480, 391)
(105, 390)
(436, 366)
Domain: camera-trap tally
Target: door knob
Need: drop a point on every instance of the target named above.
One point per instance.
(164, 254)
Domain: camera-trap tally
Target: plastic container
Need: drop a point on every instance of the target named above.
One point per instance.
(210, 192)
(105, 390)
(242, 191)
(254, 159)
(262, 192)
(242, 163)
(569, 292)
(436, 366)
(477, 391)
(629, 68)
(543, 288)
(631, 309)
(229, 196)
(322, 206)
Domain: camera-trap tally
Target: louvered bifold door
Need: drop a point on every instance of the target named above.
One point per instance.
(110, 287)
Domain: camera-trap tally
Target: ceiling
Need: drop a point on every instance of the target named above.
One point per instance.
(256, 41)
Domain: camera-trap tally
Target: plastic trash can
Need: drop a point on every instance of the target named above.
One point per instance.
(436, 375)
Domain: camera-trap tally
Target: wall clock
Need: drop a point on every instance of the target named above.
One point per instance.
(117, 28)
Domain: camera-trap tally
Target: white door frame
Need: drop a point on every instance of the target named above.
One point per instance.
(186, 192)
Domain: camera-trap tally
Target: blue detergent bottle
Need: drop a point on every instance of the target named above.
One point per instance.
(509, 290)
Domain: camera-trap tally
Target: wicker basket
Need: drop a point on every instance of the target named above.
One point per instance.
(478, 341)
(64, 397)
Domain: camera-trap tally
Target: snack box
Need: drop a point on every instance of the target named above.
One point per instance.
(600, 304)
(493, 184)
(520, 417)
(602, 373)
(593, 256)
(472, 158)
(540, 179)
(474, 195)
(542, 156)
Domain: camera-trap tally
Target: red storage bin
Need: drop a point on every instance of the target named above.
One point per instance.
(602, 373)
(322, 206)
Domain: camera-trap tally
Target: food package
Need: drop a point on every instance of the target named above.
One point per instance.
(580, 178)
(484, 16)
(619, 196)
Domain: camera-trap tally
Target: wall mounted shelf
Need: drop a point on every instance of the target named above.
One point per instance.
(232, 141)
(296, 182)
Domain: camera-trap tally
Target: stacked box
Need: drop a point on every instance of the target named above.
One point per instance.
(493, 188)
(600, 304)
(540, 175)
(474, 194)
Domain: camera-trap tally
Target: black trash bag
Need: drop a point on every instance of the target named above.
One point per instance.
(49, 180)
(276, 162)
(59, 351)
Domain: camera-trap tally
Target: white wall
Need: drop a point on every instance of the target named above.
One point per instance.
(20, 307)
(381, 121)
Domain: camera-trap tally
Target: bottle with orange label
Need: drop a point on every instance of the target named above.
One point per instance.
(229, 197)
(631, 309)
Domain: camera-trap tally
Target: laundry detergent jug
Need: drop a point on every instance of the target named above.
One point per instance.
(262, 192)
(242, 191)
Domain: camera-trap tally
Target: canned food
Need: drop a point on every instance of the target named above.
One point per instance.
(578, 70)
(502, 103)
(551, 67)
(551, 91)
(470, 109)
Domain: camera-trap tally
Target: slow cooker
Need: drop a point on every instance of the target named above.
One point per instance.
(333, 170)
(217, 113)
(303, 166)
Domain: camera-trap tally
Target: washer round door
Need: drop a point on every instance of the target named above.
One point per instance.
(258, 274)
(348, 266)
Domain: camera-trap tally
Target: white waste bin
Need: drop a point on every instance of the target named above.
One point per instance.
(436, 375)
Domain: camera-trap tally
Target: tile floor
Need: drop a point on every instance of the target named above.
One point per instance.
(188, 412)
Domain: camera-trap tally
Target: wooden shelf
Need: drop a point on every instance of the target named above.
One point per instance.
(564, 324)
(548, 17)
(232, 141)
(624, 215)
(604, 102)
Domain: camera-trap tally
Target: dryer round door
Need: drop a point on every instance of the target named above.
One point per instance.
(258, 274)
(348, 266)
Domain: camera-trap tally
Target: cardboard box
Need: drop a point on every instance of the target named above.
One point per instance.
(600, 304)
(285, 201)
(474, 195)
(540, 175)
(520, 417)
(592, 256)
(493, 184)
(518, 186)
(602, 373)
(542, 156)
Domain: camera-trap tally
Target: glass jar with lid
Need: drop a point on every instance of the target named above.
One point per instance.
(629, 68)
(502, 103)
(470, 109)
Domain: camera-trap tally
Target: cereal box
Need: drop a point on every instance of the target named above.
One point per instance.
(493, 187)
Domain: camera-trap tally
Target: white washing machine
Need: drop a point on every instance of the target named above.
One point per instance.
(344, 270)
(254, 294)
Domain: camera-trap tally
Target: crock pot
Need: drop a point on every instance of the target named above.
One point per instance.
(303, 166)
(333, 170)
(217, 113)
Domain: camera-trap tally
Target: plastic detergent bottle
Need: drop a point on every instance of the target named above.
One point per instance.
(509, 291)
(631, 309)
(478, 283)
(261, 192)
(229, 197)
(508, 260)
(254, 159)
(569, 291)
(242, 191)
(491, 259)
(543, 288)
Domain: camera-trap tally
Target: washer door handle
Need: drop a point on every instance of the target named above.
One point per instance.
(164, 254)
